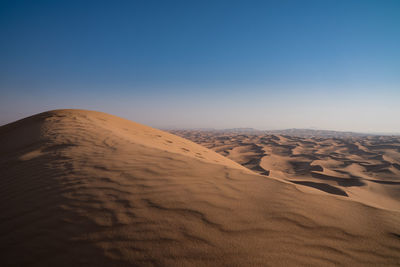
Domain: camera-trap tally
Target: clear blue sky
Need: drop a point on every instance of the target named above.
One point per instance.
(262, 64)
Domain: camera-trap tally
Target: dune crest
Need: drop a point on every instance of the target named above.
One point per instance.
(84, 188)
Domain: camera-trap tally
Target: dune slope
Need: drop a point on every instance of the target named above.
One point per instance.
(83, 188)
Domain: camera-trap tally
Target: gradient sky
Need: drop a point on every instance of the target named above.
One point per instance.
(194, 64)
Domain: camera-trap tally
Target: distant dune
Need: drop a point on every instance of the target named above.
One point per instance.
(363, 168)
(83, 188)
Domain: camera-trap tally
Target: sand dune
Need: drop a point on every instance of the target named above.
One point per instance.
(83, 188)
(363, 168)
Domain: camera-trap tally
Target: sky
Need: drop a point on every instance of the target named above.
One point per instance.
(206, 64)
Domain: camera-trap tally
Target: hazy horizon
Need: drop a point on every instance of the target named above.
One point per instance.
(268, 65)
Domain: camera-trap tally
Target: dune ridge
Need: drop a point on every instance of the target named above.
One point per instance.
(84, 188)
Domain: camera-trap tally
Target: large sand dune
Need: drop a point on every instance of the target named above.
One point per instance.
(82, 188)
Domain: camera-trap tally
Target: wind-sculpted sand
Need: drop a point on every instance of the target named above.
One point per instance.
(83, 188)
(363, 168)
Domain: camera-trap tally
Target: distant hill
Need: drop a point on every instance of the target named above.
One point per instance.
(316, 133)
(289, 132)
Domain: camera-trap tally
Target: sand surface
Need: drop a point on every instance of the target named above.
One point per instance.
(83, 188)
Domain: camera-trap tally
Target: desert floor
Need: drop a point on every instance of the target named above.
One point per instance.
(363, 168)
(84, 188)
